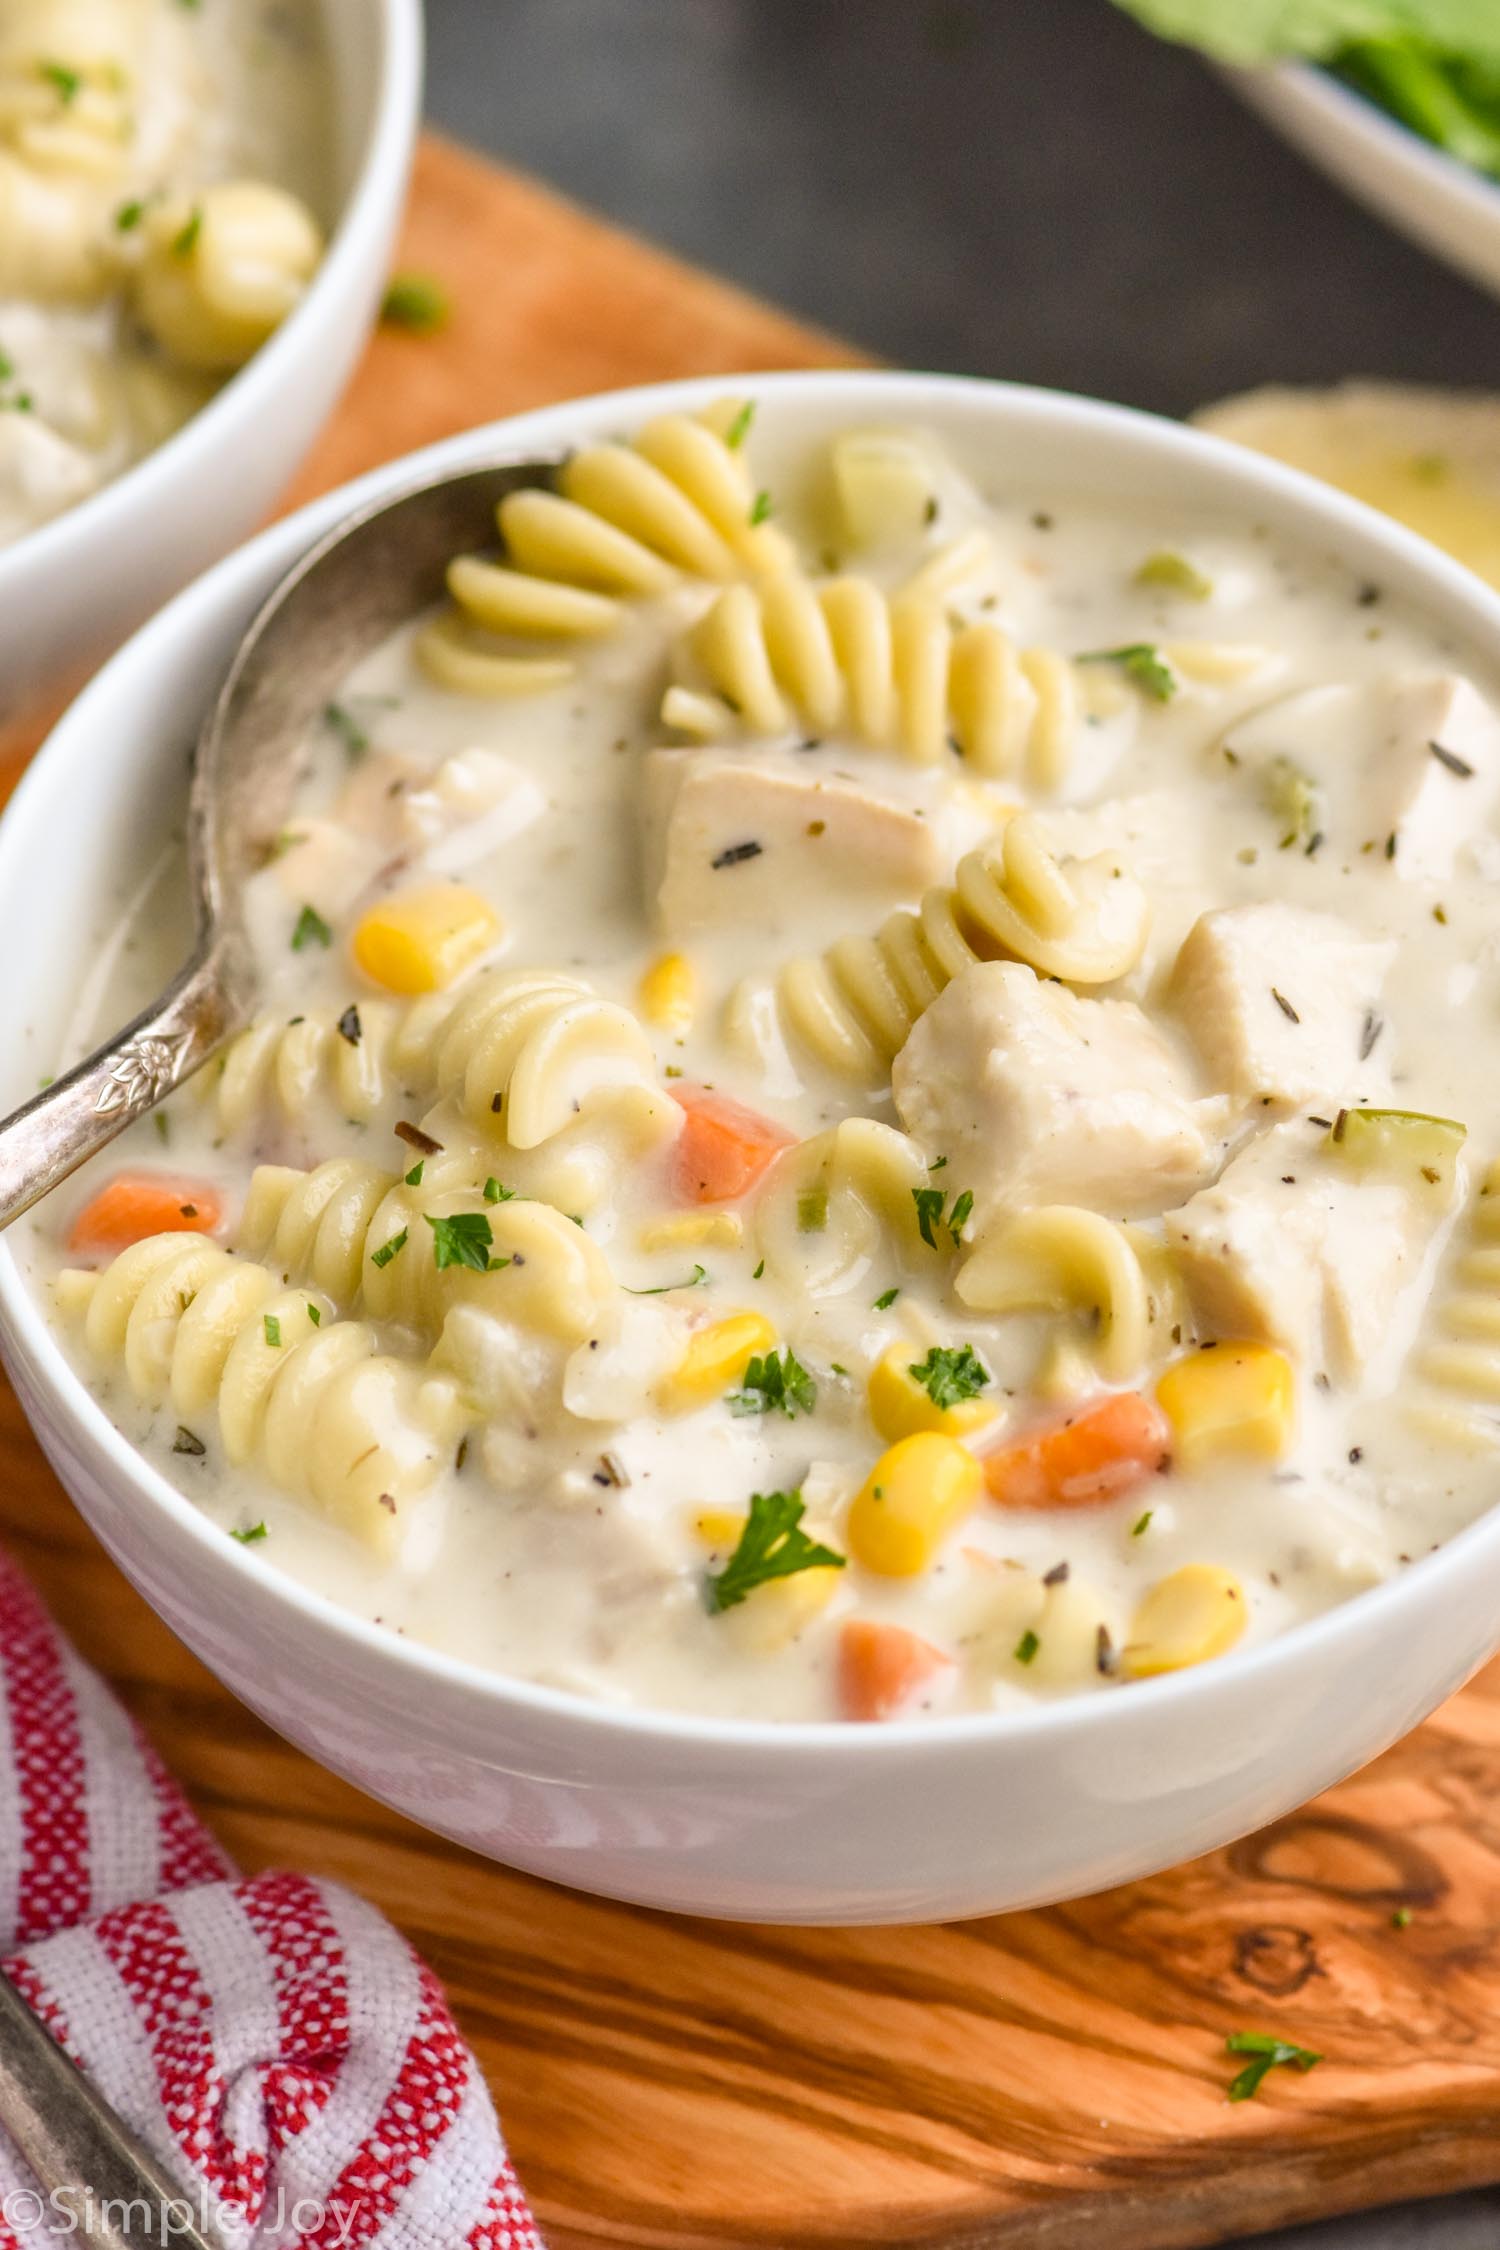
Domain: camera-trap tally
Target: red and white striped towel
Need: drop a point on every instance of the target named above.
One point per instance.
(274, 2043)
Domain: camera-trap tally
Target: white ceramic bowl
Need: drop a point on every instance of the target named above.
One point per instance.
(76, 586)
(1446, 206)
(907, 1821)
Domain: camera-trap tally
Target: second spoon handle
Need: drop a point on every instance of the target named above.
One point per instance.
(51, 1135)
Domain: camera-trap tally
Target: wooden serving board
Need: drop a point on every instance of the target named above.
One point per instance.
(1044, 2081)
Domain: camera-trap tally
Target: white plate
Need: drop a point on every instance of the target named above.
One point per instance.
(1446, 206)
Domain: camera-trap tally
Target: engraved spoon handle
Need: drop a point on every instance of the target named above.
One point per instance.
(99, 2184)
(50, 1135)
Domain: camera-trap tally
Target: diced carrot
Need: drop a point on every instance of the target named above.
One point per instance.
(723, 1147)
(1084, 1462)
(136, 1204)
(881, 1667)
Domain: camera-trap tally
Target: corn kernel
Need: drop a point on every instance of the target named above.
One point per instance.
(1235, 1399)
(668, 993)
(720, 1230)
(916, 1492)
(420, 941)
(715, 1359)
(1193, 1614)
(772, 1614)
(899, 1406)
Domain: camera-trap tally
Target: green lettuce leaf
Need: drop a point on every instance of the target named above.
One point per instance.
(1257, 31)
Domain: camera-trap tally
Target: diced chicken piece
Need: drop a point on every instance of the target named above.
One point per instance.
(1037, 1096)
(1292, 1246)
(1413, 757)
(475, 802)
(751, 840)
(1282, 1003)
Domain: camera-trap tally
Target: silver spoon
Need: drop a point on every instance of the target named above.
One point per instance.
(374, 571)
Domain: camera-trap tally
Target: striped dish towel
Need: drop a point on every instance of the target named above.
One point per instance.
(274, 2043)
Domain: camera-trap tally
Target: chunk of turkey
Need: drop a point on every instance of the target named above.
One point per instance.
(1408, 763)
(753, 839)
(1281, 1002)
(1292, 1247)
(1034, 1095)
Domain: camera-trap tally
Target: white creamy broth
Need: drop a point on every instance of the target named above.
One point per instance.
(163, 177)
(1128, 1283)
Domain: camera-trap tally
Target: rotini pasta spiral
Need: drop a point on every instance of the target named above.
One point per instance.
(1083, 920)
(1063, 1259)
(842, 1203)
(336, 1226)
(280, 1069)
(627, 522)
(893, 671)
(221, 269)
(310, 1400)
(1455, 1371)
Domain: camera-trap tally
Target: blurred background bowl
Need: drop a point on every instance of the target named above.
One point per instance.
(76, 586)
(1443, 204)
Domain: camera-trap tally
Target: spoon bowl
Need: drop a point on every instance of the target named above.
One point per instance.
(378, 566)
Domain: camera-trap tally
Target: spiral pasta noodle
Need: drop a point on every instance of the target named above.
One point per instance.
(1455, 1371)
(286, 1070)
(841, 1204)
(627, 521)
(336, 1226)
(891, 670)
(1083, 920)
(1062, 1259)
(310, 1401)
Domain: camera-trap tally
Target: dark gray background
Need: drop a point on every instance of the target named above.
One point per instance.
(1027, 188)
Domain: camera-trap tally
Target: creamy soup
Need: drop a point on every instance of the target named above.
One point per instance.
(160, 165)
(874, 1098)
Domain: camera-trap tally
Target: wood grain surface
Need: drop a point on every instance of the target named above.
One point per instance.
(1046, 2081)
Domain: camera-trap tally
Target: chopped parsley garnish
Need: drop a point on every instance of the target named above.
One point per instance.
(340, 720)
(886, 1299)
(130, 215)
(771, 1545)
(1293, 798)
(930, 1204)
(248, 1537)
(664, 1288)
(1401, 1918)
(67, 82)
(388, 1250)
(1142, 663)
(413, 1178)
(315, 1315)
(760, 1269)
(495, 1193)
(186, 242)
(760, 508)
(739, 428)
(462, 1239)
(777, 1383)
(1266, 2053)
(311, 928)
(1026, 1647)
(1141, 1524)
(272, 1328)
(415, 302)
(951, 1373)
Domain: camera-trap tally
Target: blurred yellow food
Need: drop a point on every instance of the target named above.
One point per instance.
(1430, 458)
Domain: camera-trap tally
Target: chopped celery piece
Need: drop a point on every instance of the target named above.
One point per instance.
(1399, 1142)
(1293, 798)
(1177, 574)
